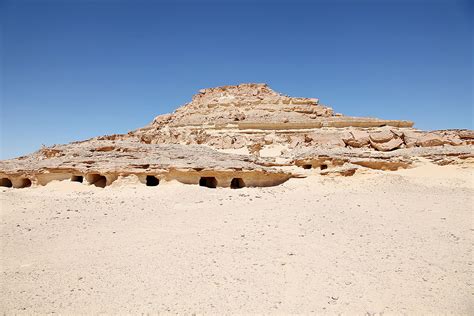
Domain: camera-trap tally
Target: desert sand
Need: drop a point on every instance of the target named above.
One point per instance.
(376, 242)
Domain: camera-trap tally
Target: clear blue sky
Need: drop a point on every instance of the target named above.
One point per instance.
(77, 69)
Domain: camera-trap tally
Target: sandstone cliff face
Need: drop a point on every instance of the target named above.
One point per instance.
(187, 145)
(233, 117)
(250, 103)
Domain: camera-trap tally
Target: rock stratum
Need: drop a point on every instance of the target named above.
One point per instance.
(243, 135)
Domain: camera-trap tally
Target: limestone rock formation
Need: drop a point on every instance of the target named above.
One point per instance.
(277, 137)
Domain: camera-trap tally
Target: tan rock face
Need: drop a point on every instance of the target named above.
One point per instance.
(243, 103)
(357, 139)
(249, 118)
(466, 134)
(245, 108)
(381, 136)
(392, 144)
(430, 140)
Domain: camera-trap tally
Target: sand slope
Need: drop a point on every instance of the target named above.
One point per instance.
(380, 242)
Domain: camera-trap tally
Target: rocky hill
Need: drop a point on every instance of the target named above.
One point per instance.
(244, 135)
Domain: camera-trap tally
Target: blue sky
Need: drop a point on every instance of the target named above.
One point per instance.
(72, 70)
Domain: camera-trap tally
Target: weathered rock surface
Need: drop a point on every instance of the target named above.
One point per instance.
(111, 159)
(389, 145)
(392, 160)
(185, 145)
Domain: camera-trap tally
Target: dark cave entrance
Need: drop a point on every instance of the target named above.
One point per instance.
(152, 181)
(98, 180)
(209, 182)
(77, 179)
(237, 183)
(5, 182)
(25, 183)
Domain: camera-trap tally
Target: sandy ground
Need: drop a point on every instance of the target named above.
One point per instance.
(383, 242)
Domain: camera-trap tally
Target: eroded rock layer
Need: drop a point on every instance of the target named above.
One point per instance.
(106, 160)
(276, 137)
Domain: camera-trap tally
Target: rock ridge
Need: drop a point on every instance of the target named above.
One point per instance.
(242, 135)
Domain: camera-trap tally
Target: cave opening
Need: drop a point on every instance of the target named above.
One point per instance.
(98, 180)
(77, 179)
(209, 182)
(5, 182)
(323, 167)
(307, 166)
(152, 181)
(237, 183)
(24, 183)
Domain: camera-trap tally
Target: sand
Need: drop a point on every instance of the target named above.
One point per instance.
(393, 242)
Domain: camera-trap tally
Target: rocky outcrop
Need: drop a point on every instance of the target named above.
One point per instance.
(94, 165)
(250, 111)
(393, 160)
(187, 145)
